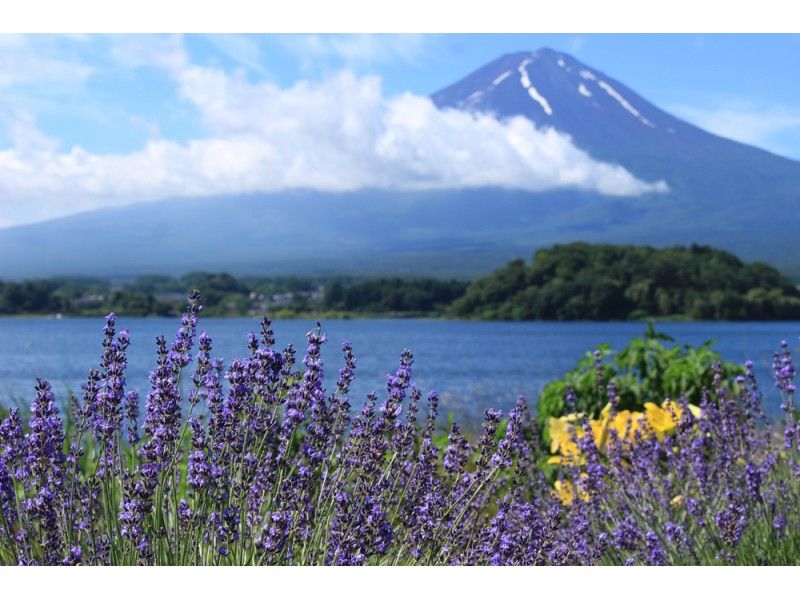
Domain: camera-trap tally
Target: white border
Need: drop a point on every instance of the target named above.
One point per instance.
(399, 582)
(377, 16)
(422, 16)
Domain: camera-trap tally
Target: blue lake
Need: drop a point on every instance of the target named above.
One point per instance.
(473, 365)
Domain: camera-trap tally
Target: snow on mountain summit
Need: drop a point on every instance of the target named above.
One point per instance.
(542, 84)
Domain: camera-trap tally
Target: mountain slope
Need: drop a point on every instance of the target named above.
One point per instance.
(721, 193)
(438, 233)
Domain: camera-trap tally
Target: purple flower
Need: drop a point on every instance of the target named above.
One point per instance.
(132, 415)
(731, 522)
(458, 451)
(655, 554)
(75, 556)
(275, 532)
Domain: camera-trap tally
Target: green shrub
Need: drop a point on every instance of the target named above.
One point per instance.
(645, 370)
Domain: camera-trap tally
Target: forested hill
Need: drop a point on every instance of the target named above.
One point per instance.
(581, 281)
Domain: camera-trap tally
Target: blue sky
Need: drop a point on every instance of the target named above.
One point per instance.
(84, 119)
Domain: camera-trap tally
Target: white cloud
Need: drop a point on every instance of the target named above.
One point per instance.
(337, 135)
(25, 136)
(33, 60)
(743, 121)
(358, 49)
(575, 44)
(242, 49)
(165, 52)
(51, 77)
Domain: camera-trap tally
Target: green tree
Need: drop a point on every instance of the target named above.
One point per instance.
(580, 281)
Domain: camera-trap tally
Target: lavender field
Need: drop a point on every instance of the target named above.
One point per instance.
(265, 460)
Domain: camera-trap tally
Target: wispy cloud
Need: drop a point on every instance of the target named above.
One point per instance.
(30, 61)
(357, 50)
(575, 44)
(744, 121)
(57, 76)
(167, 52)
(25, 136)
(242, 49)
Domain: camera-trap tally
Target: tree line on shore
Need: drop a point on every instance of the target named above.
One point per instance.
(576, 281)
(226, 295)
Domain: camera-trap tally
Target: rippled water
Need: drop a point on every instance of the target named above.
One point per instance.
(473, 365)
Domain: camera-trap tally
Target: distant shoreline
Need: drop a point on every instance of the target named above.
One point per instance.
(572, 282)
(337, 316)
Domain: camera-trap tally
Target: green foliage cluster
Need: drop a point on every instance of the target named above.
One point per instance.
(30, 296)
(226, 295)
(580, 281)
(150, 294)
(645, 370)
(393, 295)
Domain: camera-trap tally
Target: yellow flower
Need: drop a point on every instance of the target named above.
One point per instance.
(676, 411)
(565, 492)
(599, 431)
(677, 501)
(626, 423)
(570, 455)
(560, 431)
(660, 420)
(561, 439)
(564, 432)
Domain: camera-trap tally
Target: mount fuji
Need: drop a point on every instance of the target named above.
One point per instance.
(614, 123)
(713, 191)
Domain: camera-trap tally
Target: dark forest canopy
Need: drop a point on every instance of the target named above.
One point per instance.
(393, 295)
(581, 281)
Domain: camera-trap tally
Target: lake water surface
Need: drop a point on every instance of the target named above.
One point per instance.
(473, 365)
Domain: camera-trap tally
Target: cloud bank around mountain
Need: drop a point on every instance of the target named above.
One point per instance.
(340, 133)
